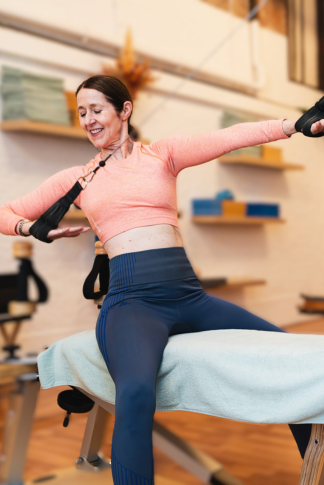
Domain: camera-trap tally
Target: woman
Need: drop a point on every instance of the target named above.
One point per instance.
(154, 292)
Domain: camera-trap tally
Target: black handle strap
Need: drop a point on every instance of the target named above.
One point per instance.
(51, 218)
(304, 123)
(26, 270)
(101, 268)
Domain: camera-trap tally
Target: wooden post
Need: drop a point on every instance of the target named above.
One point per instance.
(312, 471)
(22, 249)
(100, 249)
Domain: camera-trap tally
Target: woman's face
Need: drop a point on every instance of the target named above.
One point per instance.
(99, 119)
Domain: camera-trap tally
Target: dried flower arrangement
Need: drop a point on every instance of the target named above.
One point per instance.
(130, 72)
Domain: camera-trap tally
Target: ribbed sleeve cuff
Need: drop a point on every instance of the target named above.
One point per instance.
(8, 221)
(277, 130)
(12, 225)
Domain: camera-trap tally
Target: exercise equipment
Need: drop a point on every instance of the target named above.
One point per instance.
(249, 382)
(315, 113)
(20, 374)
(22, 399)
(51, 218)
(15, 306)
(196, 462)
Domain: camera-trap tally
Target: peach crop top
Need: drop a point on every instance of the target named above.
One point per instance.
(141, 189)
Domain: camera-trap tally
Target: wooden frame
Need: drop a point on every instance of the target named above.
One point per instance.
(312, 471)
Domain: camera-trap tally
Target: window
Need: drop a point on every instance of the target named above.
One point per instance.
(272, 16)
(304, 40)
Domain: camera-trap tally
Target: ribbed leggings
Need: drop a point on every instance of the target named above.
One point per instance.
(154, 294)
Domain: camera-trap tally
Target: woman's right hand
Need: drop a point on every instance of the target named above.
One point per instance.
(67, 232)
(60, 231)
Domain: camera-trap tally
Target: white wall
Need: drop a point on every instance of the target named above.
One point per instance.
(288, 256)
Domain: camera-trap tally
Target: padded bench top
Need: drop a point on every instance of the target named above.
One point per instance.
(245, 375)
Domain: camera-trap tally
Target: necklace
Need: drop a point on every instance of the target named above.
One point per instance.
(102, 163)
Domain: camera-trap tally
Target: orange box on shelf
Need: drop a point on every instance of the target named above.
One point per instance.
(231, 208)
(73, 107)
(271, 154)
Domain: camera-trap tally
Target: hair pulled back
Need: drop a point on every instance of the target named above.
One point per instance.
(113, 89)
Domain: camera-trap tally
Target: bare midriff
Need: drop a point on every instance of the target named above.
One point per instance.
(143, 238)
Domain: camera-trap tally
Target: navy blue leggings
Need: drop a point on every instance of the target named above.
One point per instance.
(152, 295)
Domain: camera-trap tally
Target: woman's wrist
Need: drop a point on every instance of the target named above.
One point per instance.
(288, 127)
(22, 227)
(26, 227)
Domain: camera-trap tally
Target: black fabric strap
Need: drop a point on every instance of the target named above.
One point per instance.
(26, 270)
(304, 123)
(101, 268)
(51, 218)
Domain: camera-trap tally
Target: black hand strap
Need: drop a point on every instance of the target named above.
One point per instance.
(26, 270)
(101, 268)
(304, 123)
(51, 218)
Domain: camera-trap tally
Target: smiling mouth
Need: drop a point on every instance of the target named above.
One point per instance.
(95, 132)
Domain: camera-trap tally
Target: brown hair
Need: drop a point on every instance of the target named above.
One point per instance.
(113, 89)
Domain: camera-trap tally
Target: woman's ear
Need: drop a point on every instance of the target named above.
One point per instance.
(127, 110)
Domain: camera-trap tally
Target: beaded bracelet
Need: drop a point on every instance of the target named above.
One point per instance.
(20, 225)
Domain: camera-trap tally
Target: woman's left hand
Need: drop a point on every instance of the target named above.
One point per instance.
(317, 127)
(288, 127)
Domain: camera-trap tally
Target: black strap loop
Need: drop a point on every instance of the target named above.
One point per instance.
(51, 218)
(305, 122)
(26, 270)
(101, 268)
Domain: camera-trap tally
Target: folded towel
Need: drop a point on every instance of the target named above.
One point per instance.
(245, 375)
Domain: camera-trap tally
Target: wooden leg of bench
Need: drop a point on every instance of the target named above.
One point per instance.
(195, 461)
(313, 466)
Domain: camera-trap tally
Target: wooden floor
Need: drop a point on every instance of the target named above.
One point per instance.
(256, 454)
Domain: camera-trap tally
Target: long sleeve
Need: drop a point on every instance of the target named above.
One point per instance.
(32, 205)
(180, 152)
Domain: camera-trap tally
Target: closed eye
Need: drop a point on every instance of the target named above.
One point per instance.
(95, 111)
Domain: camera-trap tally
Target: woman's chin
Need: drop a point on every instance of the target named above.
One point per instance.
(98, 143)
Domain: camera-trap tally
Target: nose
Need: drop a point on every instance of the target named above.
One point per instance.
(89, 118)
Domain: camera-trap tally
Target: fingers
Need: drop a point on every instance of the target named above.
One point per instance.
(317, 127)
(67, 232)
(85, 229)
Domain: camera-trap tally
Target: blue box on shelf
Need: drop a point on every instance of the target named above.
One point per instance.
(206, 207)
(255, 209)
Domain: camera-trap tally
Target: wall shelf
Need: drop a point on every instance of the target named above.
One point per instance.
(29, 126)
(258, 162)
(231, 283)
(235, 220)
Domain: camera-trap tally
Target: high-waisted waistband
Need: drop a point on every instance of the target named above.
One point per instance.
(149, 266)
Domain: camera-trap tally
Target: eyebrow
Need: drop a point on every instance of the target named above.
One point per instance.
(91, 105)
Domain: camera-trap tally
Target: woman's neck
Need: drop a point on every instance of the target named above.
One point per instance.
(123, 152)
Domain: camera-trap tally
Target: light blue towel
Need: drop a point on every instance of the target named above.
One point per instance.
(245, 375)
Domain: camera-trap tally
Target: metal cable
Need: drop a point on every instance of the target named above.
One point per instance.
(253, 12)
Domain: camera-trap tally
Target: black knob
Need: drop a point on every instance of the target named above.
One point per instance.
(66, 420)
